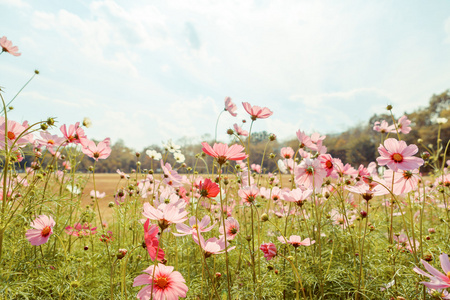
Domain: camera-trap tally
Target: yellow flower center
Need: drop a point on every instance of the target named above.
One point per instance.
(46, 231)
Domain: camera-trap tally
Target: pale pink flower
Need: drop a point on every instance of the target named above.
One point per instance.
(99, 151)
(366, 191)
(256, 168)
(344, 170)
(14, 133)
(97, 194)
(287, 152)
(297, 195)
(310, 173)
(171, 176)
(165, 214)
(231, 227)
(43, 228)
(398, 156)
(240, 131)
(183, 229)
(167, 284)
(316, 137)
(230, 106)
(257, 112)
(269, 250)
(7, 46)
(403, 125)
(404, 181)
(223, 153)
(248, 194)
(383, 127)
(50, 141)
(122, 174)
(212, 245)
(305, 140)
(296, 241)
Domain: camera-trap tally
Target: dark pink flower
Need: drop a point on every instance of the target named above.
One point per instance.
(223, 153)
(167, 284)
(8, 47)
(43, 228)
(230, 106)
(398, 156)
(257, 112)
(269, 250)
(152, 242)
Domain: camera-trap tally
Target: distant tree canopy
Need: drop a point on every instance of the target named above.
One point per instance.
(357, 145)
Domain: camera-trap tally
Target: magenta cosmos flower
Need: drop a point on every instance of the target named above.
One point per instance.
(223, 153)
(257, 112)
(167, 283)
(398, 156)
(269, 250)
(438, 280)
(100, 151)
(8, 47)
(230, 107)
(152, 242)
(43, 228)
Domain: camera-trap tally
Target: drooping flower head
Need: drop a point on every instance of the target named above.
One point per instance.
(167, 283)
(8, 47)
(398, 156)
(43, 228)
(230, 106)
(257, 112)
(223, 153)
(269, 250)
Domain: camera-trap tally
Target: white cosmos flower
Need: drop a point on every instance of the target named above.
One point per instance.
(153, 154)
(179, 157)
(441, 121)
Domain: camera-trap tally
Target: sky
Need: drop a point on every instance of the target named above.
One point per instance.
(149, 71)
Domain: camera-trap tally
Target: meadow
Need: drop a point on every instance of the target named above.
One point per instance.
(314, 228)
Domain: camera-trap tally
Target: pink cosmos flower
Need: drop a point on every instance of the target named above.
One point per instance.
(183, 229)
(171, 176)
(50, 141)
(404, 181)
(165, 214)
(100, 151)
(257, 112)
(75, 134)
(152, 242)
(310, 173)
(383, 127)
(296, 241)
(223, 153)
(256, 168)
(269, 250)
(249, 194)
(81, 230)
(8, 47)
(43, 228)
(305, 140)
(366, 191)
(297, 195)
(327, 162)
(14, 134)
(287, 152)
(240, 131)
(344, 170)
(212, 245)
(230, 106)
(231, 227)
(167, 284)
(403, 125)
(97, 194)
(398, 156)
(122, 174)
(208, 188)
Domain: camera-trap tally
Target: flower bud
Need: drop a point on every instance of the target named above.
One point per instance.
(389, 107)
(264, 217)
(44, 126)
